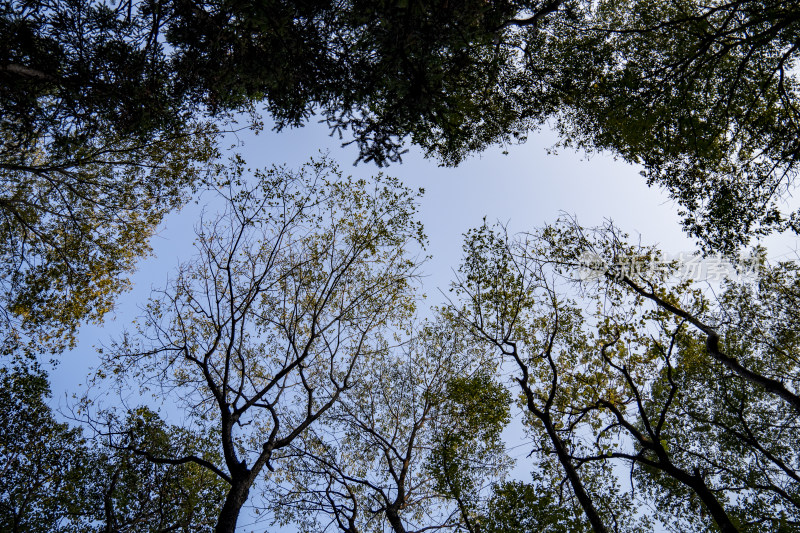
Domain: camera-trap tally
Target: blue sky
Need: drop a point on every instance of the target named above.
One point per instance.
(524, 189)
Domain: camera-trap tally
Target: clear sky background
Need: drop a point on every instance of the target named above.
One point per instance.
(524, 189)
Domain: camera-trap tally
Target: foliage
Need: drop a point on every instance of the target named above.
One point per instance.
(41, 459)
(702, 95)
(86, 69)
(71, 231)
(129, 492)
(518, 506)
(742, 431)
(467, 440)
(94, 150)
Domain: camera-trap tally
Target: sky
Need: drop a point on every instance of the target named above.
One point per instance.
(524, 189)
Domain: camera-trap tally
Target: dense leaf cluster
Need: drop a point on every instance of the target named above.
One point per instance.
(54, 479)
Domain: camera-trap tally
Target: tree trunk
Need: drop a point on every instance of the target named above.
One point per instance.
(237, 496)
(715, 508)
(696, 482)
(574, 478)
(394, 520)
(563, 456)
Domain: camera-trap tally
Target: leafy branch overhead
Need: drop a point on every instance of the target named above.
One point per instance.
(55, 479)
(698, 399)
(702, 95)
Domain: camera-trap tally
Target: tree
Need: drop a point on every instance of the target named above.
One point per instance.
(518, 506)
(696, 403)
(54, 479)
(737, 398)
(126, 491)
(259, 336)
(71, 231)
(467, 452)
(409, 447)
(704, 97)
(545, 343)
(381, 69)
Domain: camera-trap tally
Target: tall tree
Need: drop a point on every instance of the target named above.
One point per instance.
(703, 95)
(409, 448)
(40, 458)
(537, 506)
(515, 306)
(125, 491)
(260, 334)
(70, 232)
(699, 405)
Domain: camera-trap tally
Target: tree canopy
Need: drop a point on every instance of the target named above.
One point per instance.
(94, 151)
(702, 95)
(290, 346)
(109, 111)
(262, 333)
(55, 479)
(412, 446)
